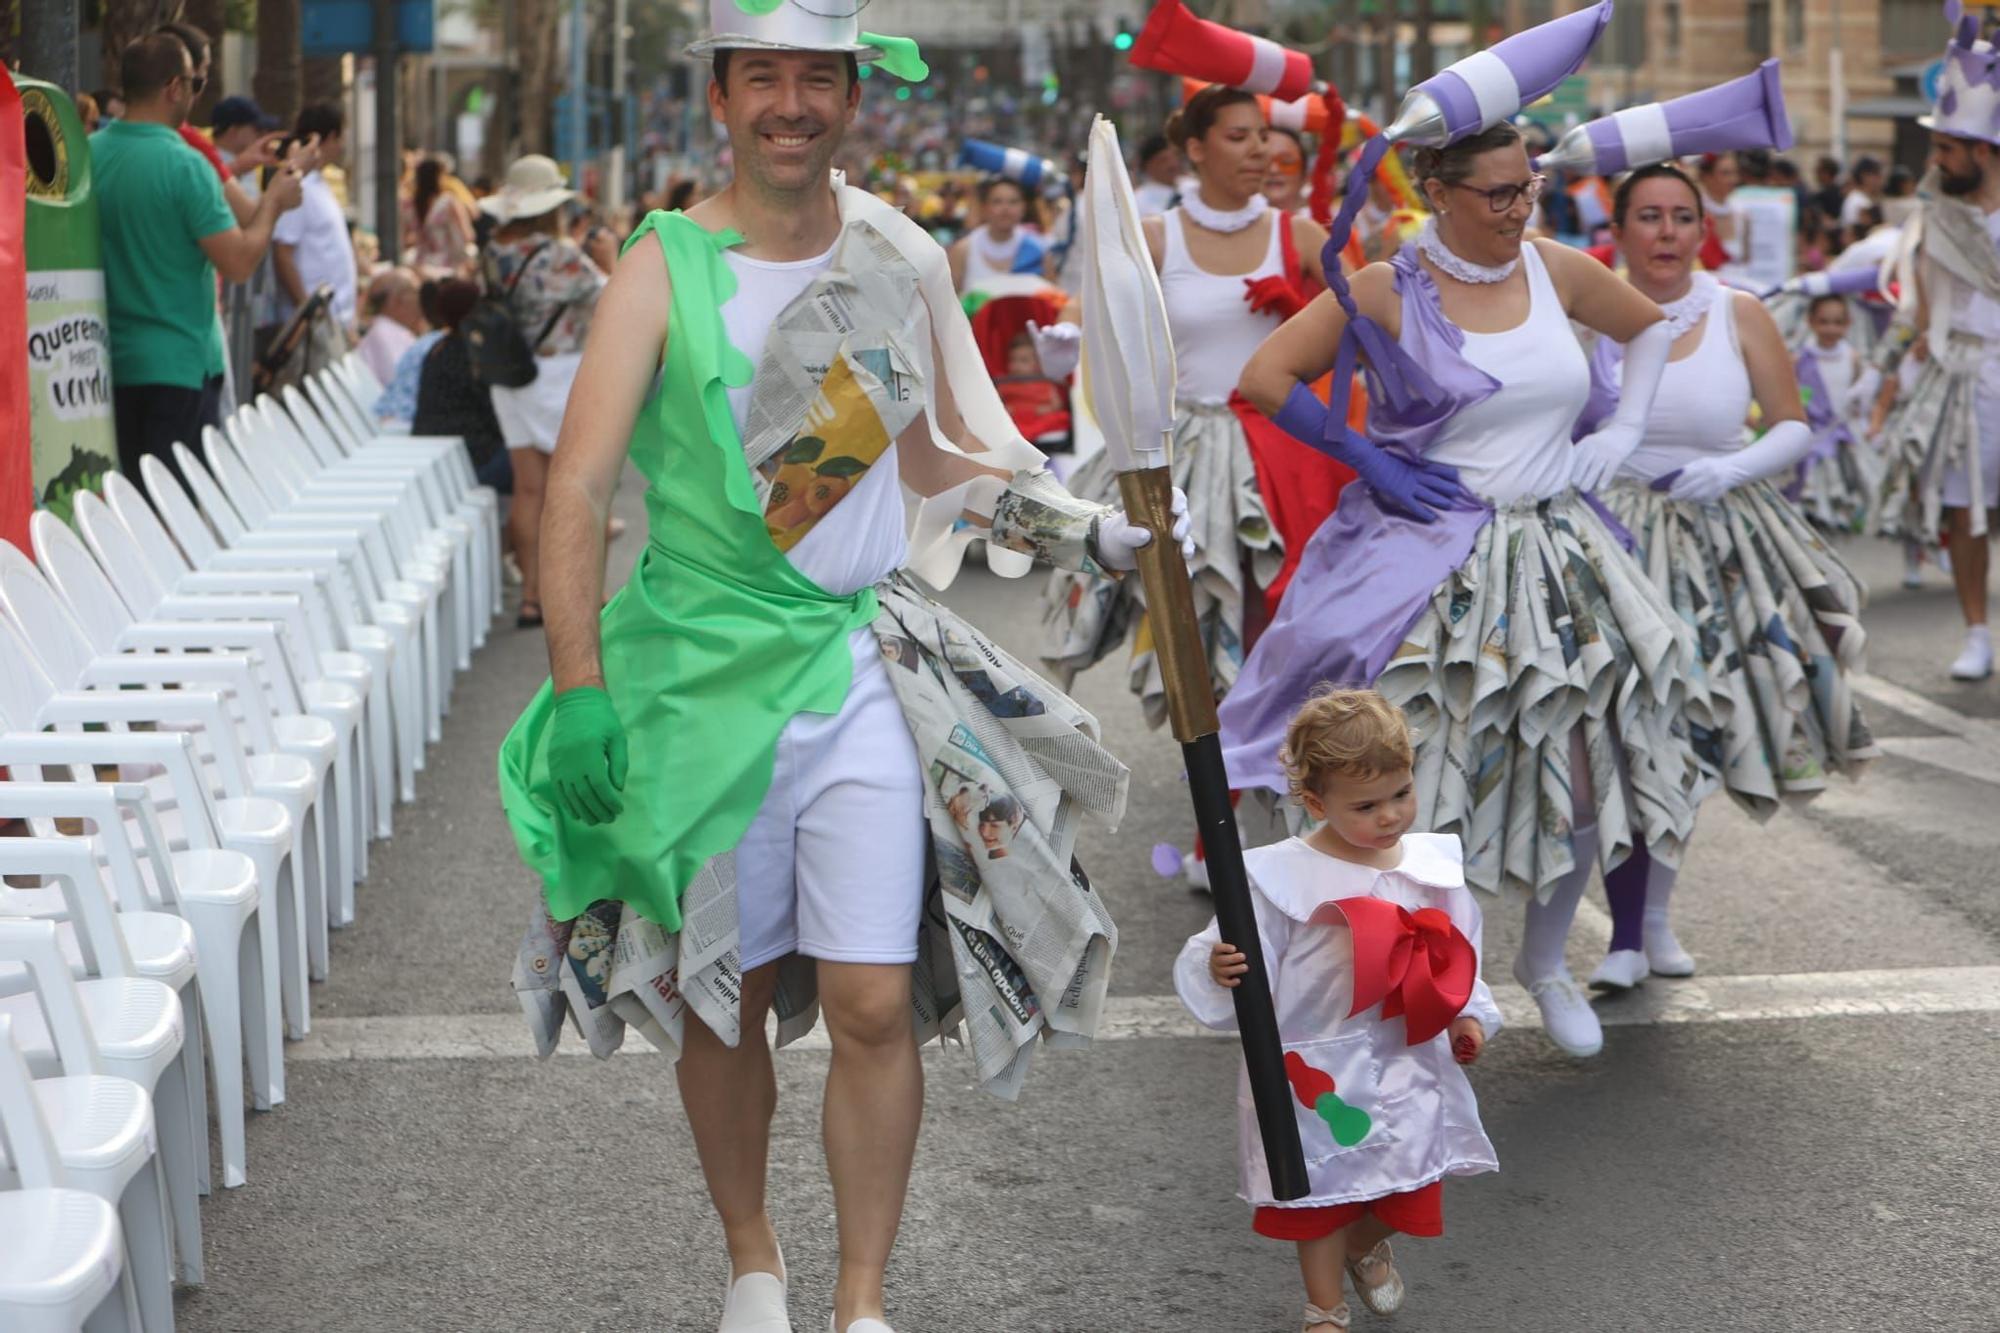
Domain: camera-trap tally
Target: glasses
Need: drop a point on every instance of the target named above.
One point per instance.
(1503, 197)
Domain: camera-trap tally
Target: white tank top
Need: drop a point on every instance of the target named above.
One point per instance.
(864, 538)
(1214, 331)
(986, 258)
(1703, 406)
(1515, 445)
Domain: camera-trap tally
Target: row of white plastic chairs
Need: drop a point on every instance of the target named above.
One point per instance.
(256, 653)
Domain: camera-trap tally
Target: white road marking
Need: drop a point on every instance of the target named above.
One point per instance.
(1970, 747)
(1879, 993)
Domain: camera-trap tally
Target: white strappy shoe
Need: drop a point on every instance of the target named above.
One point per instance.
(1376, 1280)
(756, 1303)
(1318, 1320)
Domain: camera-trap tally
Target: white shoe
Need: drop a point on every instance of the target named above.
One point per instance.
(756, 1304)
(1195, 870)
(1913, 566)
(1976, 662)
(862, 1325)
(1566, 1013)
(1664, 953)
(1622, 969)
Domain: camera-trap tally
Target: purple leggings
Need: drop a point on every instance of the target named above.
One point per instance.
(1625, 890)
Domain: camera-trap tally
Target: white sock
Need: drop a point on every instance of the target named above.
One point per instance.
(1979, 634)
(1659, 891)
(1548, 923)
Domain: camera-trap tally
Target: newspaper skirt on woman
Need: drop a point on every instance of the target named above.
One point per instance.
(1550, 626)
(1776, 617)
(1014, 944)
(1237, 553)
(1934, 431)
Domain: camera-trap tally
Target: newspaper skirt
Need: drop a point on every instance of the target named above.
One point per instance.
(1548, 626)
(1014, 945)
(1086, 616)
(1934, 429)
(1839, 490)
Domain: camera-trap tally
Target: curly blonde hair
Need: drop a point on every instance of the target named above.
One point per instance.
(1344, 733)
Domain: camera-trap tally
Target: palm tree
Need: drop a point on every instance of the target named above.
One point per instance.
(279, 76)
(124, 21)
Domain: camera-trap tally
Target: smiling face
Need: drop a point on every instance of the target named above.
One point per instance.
(1661, 231)
(1367, 813)
(1829, 321)
(1234, 157)
(1471, 227)
(786, 113)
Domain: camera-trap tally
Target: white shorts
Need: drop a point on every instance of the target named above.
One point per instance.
(1954, 487)
(531, 416)
(833, 865)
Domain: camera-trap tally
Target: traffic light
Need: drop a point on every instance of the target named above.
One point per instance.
(1123, 39)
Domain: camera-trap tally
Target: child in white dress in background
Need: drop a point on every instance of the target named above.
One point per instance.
(1371, 940)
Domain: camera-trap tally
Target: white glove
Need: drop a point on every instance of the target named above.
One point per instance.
(1059, 347)
(1119, 539)
(1598, 455)
(1776, 450)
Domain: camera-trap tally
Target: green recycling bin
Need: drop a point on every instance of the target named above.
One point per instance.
(69, 339)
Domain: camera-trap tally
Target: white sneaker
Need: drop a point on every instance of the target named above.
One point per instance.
(863, 1325)
(1664, 953)
(756, 1304)
(1913, 567)
(1195, 870)
(1566, 1013)
(1976, 662)
(1622, 969)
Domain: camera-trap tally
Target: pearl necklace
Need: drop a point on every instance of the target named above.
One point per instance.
(1686, 312)
(1434, 249)
(1214, 219)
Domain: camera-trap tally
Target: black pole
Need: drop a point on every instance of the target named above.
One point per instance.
(1256, 1017)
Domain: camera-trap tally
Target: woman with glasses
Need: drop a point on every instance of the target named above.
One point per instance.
(1232, 269)
(1471, 578)
(1776, 614)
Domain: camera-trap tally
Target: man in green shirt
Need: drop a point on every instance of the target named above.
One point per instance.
(168, 231)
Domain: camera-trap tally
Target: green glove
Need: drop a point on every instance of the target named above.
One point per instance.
(587, 755)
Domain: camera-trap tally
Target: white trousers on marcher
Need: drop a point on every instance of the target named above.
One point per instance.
(833, 864)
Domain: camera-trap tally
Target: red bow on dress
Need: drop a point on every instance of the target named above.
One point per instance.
(1414, 964)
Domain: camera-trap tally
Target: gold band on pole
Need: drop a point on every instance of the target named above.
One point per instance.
(1149, 502)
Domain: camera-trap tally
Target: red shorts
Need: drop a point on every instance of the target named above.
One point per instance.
(1420, 1212)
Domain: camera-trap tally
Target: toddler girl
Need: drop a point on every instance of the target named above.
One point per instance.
(1371, 940)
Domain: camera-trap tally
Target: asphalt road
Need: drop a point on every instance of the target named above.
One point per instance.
(1799, 1139)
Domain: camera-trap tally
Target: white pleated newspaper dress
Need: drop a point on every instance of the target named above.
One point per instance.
(1423, 1117)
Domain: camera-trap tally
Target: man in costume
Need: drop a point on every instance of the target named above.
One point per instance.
(774, 774)
(1945, 439)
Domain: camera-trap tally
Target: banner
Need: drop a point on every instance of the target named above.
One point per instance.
(17, 497)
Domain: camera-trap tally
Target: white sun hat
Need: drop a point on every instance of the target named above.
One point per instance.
(534, 185)
(806, 25)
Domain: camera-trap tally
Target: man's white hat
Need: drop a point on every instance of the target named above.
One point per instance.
(1968, 102)
(805, 25)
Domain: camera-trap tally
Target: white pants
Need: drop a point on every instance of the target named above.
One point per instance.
(1954, 487)
(532, 414)
(833, 865)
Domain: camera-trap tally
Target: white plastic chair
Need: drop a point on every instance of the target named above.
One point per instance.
(284, 756)
(192, 814)
(151, 581)
(212, 893)
(398, 618)
(407, 575)
(100, 1131)
(116, 1024)
(63, 1266)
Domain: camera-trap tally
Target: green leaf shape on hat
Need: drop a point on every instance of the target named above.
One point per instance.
(1350, 1124)
(899, 56)
(758, 7)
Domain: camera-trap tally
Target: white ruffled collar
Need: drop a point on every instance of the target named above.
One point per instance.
(1687, 311)
(1216, 219)
(1301, 879)
(1453, 265)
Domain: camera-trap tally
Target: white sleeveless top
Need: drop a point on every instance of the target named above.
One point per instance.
(1703, 406)
(864, 538)
(986, 259)
(1214, 330)
(1515, 445)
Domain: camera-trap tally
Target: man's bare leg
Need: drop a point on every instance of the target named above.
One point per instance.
(874, 1105)
(730, 1096)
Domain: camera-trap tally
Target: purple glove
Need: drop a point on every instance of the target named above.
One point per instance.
(1416, 490)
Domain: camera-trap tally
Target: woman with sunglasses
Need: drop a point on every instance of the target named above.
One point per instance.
(1232, 269)
(1472, 579)
(1776, 614)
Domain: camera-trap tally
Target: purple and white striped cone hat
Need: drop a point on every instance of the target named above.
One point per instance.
(1016, 164)
(1490, 86)
(1744, 113)
(1968, 102)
